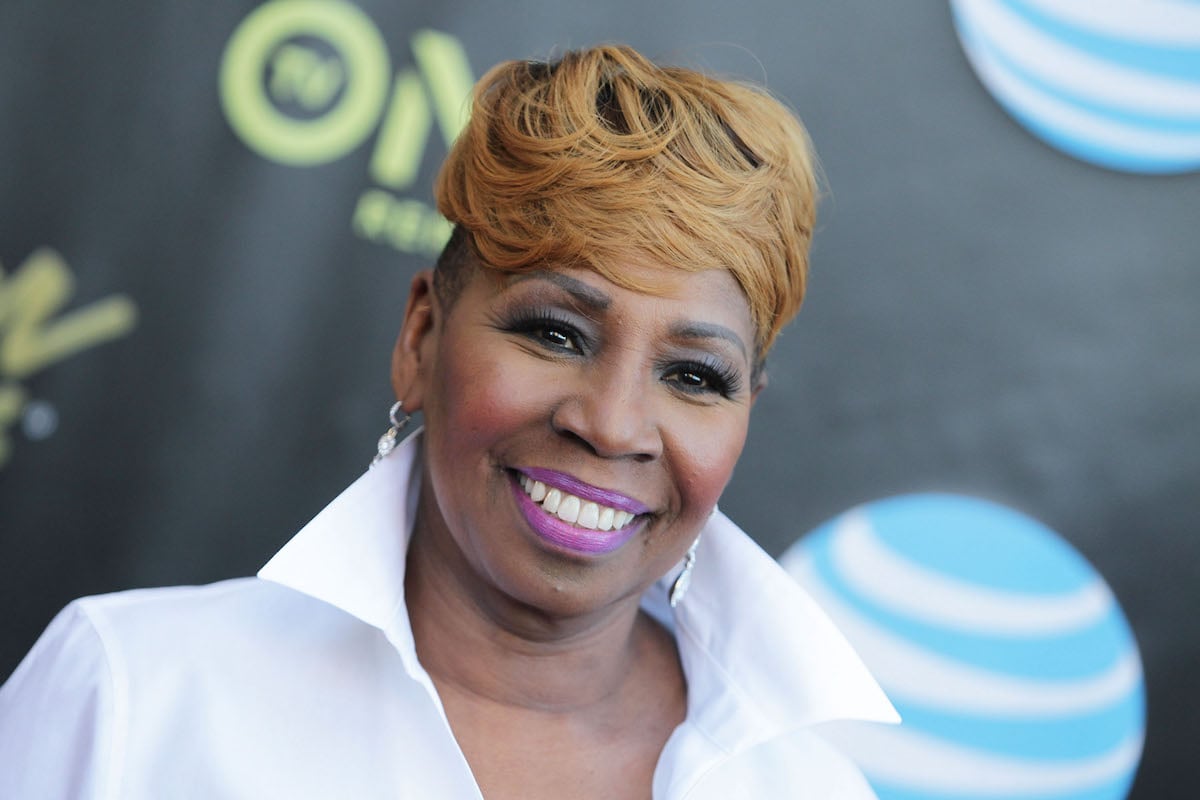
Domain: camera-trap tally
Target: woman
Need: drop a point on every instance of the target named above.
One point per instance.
(537, 596)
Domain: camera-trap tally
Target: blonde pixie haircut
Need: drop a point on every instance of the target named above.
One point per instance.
(603, 156)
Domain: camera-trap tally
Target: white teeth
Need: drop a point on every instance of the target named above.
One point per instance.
(589, 516)
(573, 510)
(568, 509)
(605, 521)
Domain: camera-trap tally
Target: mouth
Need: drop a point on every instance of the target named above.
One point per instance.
(574, 515)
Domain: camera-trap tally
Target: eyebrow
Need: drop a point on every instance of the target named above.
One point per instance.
(708, 330)
(587, 295)
(597, 300)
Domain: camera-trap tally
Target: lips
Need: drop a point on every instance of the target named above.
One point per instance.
(568, 484)
(575, 515)
(575, 510)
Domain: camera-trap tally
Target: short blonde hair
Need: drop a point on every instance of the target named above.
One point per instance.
(602, 155)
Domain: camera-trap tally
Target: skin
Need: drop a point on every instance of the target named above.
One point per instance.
(554, 682)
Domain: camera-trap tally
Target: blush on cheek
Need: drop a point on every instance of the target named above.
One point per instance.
(710, 465)
(487, 388)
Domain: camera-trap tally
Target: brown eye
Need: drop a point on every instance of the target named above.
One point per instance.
(700, 379)
(546, 329)
(558, 337)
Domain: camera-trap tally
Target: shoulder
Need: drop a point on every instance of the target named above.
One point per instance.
(120, 679)
(159, 644)
(91, 640)
(185, 618)
(164, 625)
(64, 712)
(89, 648)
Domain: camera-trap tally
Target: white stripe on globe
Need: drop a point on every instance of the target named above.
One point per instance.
(1075, 71)
(903, 757)
(879, 574)
(1116, 84)
(910, 673)
(1165, 23)
(1083, 125)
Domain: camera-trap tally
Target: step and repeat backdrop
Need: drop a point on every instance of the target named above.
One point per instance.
(980, 447)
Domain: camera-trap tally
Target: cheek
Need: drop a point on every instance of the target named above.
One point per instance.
(471, 405)
(706, 462)
(480, 393)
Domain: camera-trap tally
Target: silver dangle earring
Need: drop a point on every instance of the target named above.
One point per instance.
(684, 580)
(387, 442)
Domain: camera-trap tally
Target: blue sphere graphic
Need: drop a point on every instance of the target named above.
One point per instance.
(1004, 651)
(1113, 84)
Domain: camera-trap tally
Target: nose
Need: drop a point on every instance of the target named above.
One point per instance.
(612, 412)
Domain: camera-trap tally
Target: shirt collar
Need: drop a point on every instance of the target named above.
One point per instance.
(352, 555)
(760, 656)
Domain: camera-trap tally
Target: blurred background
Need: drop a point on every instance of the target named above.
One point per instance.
(209, 215)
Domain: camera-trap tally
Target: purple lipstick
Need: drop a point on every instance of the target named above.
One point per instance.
(575, 515)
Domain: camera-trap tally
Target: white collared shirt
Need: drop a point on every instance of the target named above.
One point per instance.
(304, 682)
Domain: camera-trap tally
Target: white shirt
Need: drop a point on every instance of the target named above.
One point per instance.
(304, 682)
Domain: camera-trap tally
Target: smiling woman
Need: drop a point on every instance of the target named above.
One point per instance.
(535, 597)
(597, 399)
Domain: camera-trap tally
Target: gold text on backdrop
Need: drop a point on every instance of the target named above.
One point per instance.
(31, 341)
(305, 82)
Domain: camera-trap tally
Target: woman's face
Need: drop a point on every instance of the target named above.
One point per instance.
(578, 434)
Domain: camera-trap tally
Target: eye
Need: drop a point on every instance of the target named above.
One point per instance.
(556, 335)
(696, 378)
(548, 329)
(693, 379)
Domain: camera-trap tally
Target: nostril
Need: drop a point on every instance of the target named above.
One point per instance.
(575, 438)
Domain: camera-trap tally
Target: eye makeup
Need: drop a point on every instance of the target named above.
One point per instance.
(703, 375)
(566, 316)
(547, 326)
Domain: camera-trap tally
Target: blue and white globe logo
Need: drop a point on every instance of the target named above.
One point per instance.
(1004, 651)
(1111, 82)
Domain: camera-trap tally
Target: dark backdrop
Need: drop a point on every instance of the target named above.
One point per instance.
(195, 328)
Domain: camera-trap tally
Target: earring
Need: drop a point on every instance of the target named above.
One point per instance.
(684, 580)
(387, 442)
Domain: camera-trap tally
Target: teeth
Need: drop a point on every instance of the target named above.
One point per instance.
(568, 509)
(589, 516)
(573, 510)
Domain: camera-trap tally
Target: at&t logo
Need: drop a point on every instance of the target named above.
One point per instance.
(304, 82)
(1113, 83)
(1005, 652)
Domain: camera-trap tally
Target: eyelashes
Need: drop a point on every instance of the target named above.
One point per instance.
(548, 327)
(556, 332)
(704, 376)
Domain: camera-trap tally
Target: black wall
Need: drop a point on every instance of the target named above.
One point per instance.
(987, 315)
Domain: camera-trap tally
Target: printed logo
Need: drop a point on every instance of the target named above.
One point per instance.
(1006, 654)
(305, 82)
(31, 339)
(1113, 84)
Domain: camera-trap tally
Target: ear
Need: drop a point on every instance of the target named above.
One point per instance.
(416, 346)
(759, 384)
